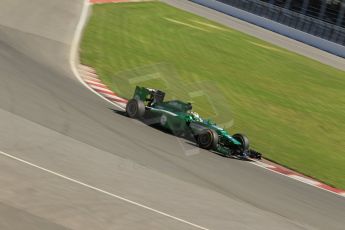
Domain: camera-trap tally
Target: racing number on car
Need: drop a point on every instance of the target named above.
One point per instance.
(163, 120)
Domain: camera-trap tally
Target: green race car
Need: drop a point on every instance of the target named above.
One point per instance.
(177, 116)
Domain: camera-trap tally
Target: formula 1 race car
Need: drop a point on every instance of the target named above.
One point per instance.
(177, 116)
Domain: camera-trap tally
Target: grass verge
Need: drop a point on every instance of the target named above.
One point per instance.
(291, 107)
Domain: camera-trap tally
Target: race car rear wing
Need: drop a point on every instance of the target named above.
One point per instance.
(148, 95)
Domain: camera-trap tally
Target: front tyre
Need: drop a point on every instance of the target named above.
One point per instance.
(208, 139)
(135, 108)
(243, 149)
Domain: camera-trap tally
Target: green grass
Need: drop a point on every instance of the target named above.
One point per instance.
(291, 107)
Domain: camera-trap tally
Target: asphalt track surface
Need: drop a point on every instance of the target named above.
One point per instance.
(82, 158)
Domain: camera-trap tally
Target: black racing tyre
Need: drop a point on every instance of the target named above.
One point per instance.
(244, 142)
(208, 139)
(135, 108)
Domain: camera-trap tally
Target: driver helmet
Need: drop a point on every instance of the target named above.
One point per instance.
(196, 116)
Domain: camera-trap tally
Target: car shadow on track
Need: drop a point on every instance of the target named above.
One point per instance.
(152, 122)
(188, 138)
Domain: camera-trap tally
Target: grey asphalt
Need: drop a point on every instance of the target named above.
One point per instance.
(48, 118)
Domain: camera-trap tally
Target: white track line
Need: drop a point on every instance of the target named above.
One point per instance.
(74, 51)
(102, 191)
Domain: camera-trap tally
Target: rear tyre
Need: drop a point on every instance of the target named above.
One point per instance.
(243, 139)
(208, 139)
(135, 108)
